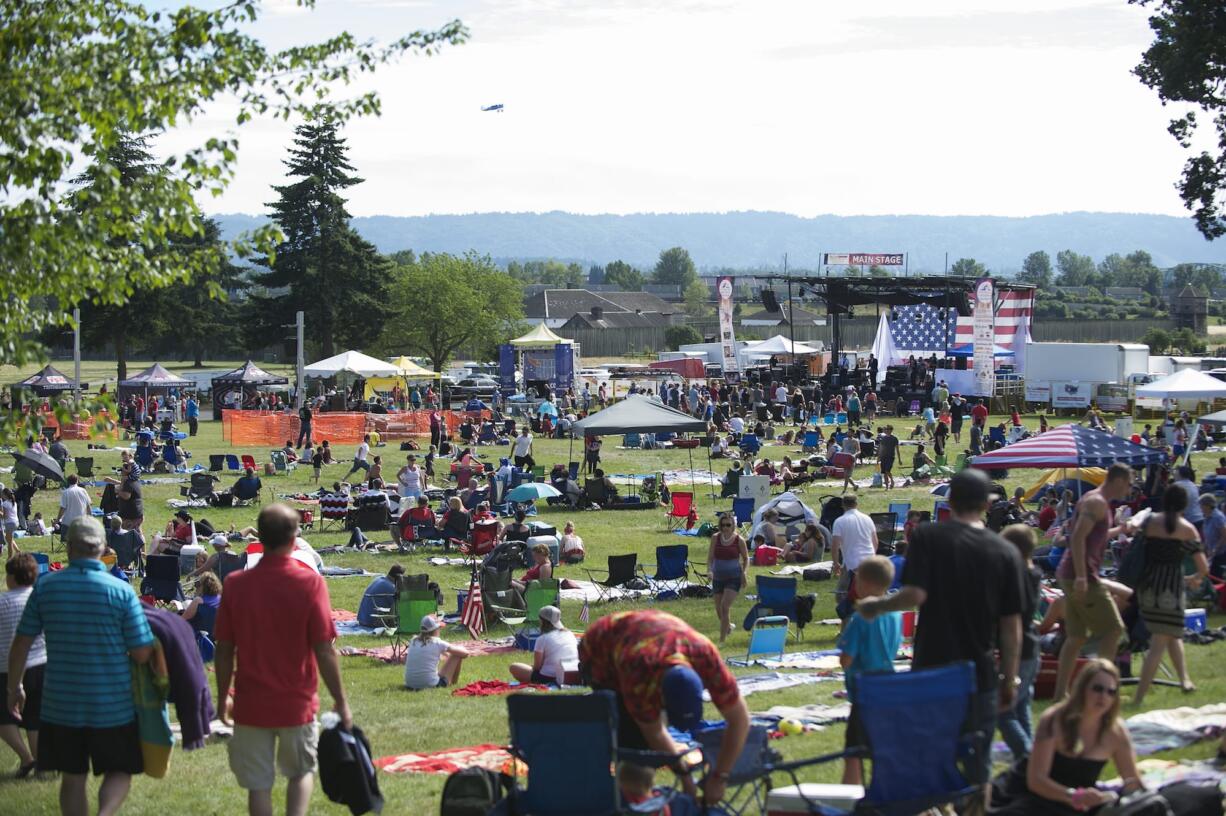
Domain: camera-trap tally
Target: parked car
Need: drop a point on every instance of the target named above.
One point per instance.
(479, 387)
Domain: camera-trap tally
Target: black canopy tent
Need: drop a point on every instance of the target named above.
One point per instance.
(638, 414)
(154, 378)
(46, 383)
(244, 379)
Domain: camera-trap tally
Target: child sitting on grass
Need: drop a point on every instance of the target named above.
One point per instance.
(867, 646)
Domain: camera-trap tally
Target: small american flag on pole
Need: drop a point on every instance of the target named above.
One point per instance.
(474, 611)
(585, 614)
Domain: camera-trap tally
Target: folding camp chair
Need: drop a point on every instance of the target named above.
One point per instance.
(411, 606)
(900, 511)
(481, 540)
(997, 438)
(776, 596)
(632, 440)
(201, 485)
(569, 743)
(44, 562)
(828, 419)
(742, 510)
(369, 518)
(572, 471)
(232, 462)
(887, 531)
(162, 578)
(768, 635)
(750, 444)
(281, 462)
(748, 781)
(249, 461)
(129, 551)
(621, 570)
(228, 562)
(941, 510)
(537, 595)
(672, 570)
(538, 473)
(812, 441)
(679, 513)
(143, 456)
(217, 462)
(840, 418)
(85, 466)
(334, 509)
(915, 407)
(900, 711)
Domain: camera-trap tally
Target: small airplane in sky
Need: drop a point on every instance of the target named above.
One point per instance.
(497, 107)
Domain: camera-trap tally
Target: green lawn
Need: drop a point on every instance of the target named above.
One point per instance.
(399, 722)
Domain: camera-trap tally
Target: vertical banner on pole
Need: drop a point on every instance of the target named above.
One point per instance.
(985, 338)
(727, 338)
(506, 369)
(563, 374)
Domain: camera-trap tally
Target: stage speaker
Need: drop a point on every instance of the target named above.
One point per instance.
(962, 303)
(770, 301)
(960, 363)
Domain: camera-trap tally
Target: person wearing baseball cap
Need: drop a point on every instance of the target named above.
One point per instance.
(659, 665)
(556, 647)
(221, 544)
(422, 669)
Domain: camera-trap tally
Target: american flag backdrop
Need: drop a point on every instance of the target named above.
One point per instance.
(920, 327)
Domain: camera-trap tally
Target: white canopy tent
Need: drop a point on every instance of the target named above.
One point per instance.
(1186, 384)
(541, 336)
(778, 345)
(352, 362)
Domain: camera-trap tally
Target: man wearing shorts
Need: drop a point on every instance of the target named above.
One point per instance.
(1089, 611)
(94, 626)
(276, 617)
(854, 536)
(887, 452)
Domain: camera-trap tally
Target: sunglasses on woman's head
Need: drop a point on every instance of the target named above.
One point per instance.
(1099, 688)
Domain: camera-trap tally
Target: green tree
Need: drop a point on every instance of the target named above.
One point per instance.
(875, 271)
(677, 336)
(1158, 340)
(853, 272)
(1112, 271)
(81, 74)
(323, 267)
(695, 296)
(1075, 270)
(444, 303)
(203, 316)
(1036, 269)
(1205, 277)
(1187, 342)
(675, 267)
(624, 276)
(1139, 270)
(1186, 65)
(968, 268)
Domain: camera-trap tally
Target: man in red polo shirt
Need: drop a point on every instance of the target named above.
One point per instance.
(277, 618)
(979, 414)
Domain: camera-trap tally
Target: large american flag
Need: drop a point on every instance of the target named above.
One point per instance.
(920, 327)
(473, 615)
(1070, 446)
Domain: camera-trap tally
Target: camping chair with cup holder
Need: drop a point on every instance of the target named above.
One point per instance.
(85, 466)
(280, 462)
(482, 538)
(750, 444)
(129, 551)
(229, 562)
(200, 486)
(899, 711)
(143, 456)
(162, 578)
(812, 442)
(742, 511)
(731, 485)
(569, 743)
(372, 517)
(672, 571)
(411, 605)
(334, 511)
(748, 781)
(536, 596)
(679, 513)
(622, 570)
(777, 596)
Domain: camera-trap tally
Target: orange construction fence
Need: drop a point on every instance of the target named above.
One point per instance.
(85, 427)
(341, 428)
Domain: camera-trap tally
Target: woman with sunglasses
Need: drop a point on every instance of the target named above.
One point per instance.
(1074, 740)
(727, 560)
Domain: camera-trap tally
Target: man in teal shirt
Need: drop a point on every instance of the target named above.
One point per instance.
(94, 628)
(192, 412)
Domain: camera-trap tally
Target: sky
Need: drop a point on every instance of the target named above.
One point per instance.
(945, 107)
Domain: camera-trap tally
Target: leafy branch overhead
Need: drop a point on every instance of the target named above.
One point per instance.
(78, 77)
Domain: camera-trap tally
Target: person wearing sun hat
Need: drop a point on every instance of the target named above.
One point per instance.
(426, 650)
(556, 647)
(659, 665)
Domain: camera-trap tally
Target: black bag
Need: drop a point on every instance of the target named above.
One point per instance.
(1141, 803)
(816, 574)
(1132, 565)
(696, 591)
(223, 499)
(472, 792)
(1193, 798)
(346, 772)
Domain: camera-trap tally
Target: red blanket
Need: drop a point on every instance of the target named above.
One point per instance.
(488, 688)
(448, 761)
(340, 615)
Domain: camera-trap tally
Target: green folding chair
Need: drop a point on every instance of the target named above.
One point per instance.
(411, 606)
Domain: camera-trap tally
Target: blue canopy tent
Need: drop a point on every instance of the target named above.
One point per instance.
(968, 350)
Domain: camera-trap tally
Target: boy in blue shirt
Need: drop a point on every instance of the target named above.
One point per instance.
(867, 646)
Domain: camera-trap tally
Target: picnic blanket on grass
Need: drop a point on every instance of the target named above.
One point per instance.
(346, 572)
(388, 654)
(1158, 773)
(771, 681)
(352, 627)
(813, 717)
(799, 569)
(491, 688)
(1164, 729)
(341, 615)
(587, 592)
(449, 760)
(825, 660)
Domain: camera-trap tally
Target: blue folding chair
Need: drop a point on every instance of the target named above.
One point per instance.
(776, 596)
(672, 570)
(44, 562)
(840, 418)
(900, 711)
(750, 443)
(900, 510)
(811, 441)
(232, 462)
(828, 419)
(143, 456)
(743, 510)
(748, 782)
(572, 471)
(769, 636)
(632, 440)
(569, 743)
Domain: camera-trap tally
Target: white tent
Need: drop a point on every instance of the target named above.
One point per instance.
(1186, 384)
(354, 362)
(793, 513)
(778, 345)
(540, 337)
(884, 349)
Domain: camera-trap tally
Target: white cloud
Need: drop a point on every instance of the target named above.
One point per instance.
(952, 106)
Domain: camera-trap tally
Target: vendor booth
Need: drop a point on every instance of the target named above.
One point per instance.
(47, 383)
(245, 382)
(153, 380)
(545, 359)
(348, 367)
(407, 372)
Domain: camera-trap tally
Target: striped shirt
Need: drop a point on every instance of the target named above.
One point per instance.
(12, 603)
(91, 620)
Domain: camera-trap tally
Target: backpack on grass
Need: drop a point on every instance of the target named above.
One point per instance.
(472, 792)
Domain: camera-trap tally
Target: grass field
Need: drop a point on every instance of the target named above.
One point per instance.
(398, 722)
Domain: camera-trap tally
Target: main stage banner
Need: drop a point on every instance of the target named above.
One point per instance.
(984, 317)
(727, 337)
(864, 259)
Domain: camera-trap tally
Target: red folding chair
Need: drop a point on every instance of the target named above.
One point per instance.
(683, 503)
(481, 540)
(249, 462)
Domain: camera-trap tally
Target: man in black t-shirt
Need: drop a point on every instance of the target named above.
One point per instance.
(305, 415)
(969, 585)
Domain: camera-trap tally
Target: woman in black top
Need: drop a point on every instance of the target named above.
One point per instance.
(517, 530)
(939, 438)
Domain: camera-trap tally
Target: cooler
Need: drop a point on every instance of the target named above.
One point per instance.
(799, 798)
(550, 541)
(187, 558)
(766, 556)
(1195, 620)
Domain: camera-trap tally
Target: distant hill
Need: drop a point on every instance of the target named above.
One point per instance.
(747, 240)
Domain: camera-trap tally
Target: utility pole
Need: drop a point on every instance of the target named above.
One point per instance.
(300, 363)
(791, 315)
(76, 359)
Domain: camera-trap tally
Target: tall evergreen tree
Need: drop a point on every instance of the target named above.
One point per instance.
(204, 316)
(323, 267)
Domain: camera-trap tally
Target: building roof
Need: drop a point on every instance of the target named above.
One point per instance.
(617, 320)
(561, 304)
(802, 315)
(1190, 291)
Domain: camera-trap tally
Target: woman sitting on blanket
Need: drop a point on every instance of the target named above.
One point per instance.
(921, 465)
(556, 647)
(426, 650)
(1074, 740)
(541, 569)
(804, 549)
